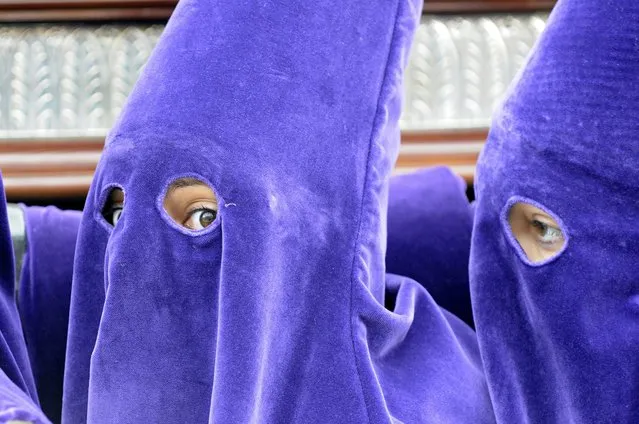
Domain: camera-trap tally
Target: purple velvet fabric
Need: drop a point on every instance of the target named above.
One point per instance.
(16, 405)
(18, 397)
(45, 293)
(429, 227)
(560, 340)
(276, 312)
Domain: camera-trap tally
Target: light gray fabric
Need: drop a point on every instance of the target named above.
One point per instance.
(19, 239)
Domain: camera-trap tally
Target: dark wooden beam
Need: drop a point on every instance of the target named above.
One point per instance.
(80, 11)
(459, 7)
(57, 168)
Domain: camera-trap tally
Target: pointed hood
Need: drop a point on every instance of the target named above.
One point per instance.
(560, 337)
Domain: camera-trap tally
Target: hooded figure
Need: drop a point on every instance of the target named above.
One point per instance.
(277, 309)
(18, 397)
(555, 251)
(44, 296)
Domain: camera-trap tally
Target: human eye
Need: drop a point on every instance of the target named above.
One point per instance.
(113, 214)
(538, 234)
(114, 206)
(546, 234)
(199, 218)
(191, 203)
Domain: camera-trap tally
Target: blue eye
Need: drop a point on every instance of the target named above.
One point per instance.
(538, 236)
(547, 234)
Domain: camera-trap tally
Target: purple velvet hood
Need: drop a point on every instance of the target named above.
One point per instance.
(560, 339)
(280, 311)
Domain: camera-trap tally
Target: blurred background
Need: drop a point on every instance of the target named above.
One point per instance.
(66, 68)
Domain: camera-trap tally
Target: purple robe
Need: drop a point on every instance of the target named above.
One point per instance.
(18, 397)
(429, 227)
(17, 405)
(560, 338)
(280, 311)
(44, 297)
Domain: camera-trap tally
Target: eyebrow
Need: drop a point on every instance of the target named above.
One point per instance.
(186, 182)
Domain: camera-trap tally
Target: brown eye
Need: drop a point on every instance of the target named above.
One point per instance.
(191, 203)
(207, 217)
(200, 219)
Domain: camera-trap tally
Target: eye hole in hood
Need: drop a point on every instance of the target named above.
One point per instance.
(191, 203)
(537, 234)
(113, 206)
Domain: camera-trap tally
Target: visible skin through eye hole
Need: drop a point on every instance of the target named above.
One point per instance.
(538, 234)
(189, 202)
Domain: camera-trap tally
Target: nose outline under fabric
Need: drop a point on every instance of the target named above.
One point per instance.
(512, 240)
(159, 204)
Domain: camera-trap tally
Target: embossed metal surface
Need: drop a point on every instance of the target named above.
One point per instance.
(66, 81)
(460, 67)
(61, 81)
